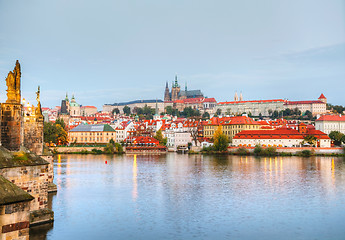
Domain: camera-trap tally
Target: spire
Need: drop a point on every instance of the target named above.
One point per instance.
(166, 85)
(236, 97)
(185, 88)
(241, 97)
(176, 83)
(66, 97)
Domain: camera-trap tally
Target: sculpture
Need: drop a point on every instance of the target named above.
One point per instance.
(38, 111)
(13, 85)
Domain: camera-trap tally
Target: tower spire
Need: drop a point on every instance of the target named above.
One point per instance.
(185, 88)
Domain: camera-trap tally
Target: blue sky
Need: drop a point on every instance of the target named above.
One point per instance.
(109, 51)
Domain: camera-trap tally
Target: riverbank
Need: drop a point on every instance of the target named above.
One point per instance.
(273, 151)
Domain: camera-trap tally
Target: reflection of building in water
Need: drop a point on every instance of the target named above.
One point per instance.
(135, 181)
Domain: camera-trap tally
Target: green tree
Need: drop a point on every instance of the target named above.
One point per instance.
(61, 122)
(221, 141)
(160, 138)
(308, 114)
(115, 111)
(169, 110)
(126, 110)
(310, 139)
(206, 115)
(336, 137)
(54, 133)
(219, 111)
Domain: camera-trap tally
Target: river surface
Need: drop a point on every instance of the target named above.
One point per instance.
(176, 196)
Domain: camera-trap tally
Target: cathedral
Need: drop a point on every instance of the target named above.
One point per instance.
(177, 94)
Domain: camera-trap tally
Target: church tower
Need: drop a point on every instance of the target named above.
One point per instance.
(175, 90)
(167, 93)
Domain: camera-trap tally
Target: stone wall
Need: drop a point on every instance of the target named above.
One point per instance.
(33, 134)
(14, 221)
(33, 180)
(75, 149)
(11, 122)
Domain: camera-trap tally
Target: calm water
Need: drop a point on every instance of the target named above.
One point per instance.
(197, 197)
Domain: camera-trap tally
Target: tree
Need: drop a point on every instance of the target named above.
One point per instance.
(337, 137)
(310, 139)
(169, 110)
(308, 114)
(115, 111)
(61, 122)
(160, 138)
(219, 111)
(54, 133)
(126, 110)
(221, 141)
(206, 115)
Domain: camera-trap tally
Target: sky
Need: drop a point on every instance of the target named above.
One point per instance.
(109, 51)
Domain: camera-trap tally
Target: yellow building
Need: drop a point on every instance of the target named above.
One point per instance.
(230, 126)
(86, 134)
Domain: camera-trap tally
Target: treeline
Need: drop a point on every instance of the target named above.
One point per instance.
(335, 108)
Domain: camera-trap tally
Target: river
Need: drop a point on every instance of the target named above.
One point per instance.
(176, 196)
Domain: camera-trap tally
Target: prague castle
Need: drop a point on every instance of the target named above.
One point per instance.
(177, 94)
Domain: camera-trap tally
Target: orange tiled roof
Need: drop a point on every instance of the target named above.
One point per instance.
(331, 118)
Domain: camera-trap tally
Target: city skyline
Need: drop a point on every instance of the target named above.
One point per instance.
(121, 51)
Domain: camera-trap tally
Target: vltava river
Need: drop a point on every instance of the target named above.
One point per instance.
(197, 197)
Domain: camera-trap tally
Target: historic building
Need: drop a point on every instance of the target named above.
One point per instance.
(177, 94)
(281, 137)
(329, 123)
(22, 162)
(314, 106)
(98, 133)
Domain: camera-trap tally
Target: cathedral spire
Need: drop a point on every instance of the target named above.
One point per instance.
(176, 83)
(185, 88)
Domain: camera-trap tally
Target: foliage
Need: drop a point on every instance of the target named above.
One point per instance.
(270, 151)
(336, 108)
(126, 110)
(116, 111)
(172, 111)
(337, 137)
(96, 151)
(305, 153)
(190, 112)
(160, 138)
(219, 111)
(61, 122)
(308, 114)
(207, 149)
(242, 151)
(221, 141)
(54, 133)
(310, 139)
(113, 147)
(206, 115)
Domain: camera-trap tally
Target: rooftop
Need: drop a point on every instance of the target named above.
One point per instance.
(93, 128)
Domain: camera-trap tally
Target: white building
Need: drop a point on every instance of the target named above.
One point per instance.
(315, 107)
(329, 123)
(280, 137)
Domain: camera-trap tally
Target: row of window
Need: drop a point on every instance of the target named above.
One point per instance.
(91, 133)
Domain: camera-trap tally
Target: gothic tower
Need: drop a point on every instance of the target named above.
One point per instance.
(175, 90)
(167, 93)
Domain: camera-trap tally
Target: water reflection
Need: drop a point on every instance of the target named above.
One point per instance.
(197, 197)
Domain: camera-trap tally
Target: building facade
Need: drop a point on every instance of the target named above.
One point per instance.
(89, 134)
(329, 123)
(280, 137)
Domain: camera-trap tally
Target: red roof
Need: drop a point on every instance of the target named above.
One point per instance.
(279, 133)
(88, 107)
(302, 102)
(253, 101)
(322, 96)
(331, 118)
